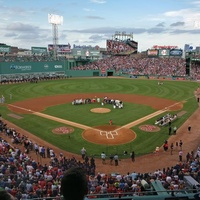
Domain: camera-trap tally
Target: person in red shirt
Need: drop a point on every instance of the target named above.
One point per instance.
(110, 122)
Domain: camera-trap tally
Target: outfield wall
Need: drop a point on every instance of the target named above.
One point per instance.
(30, 69)
(18, 70)
(48, 69)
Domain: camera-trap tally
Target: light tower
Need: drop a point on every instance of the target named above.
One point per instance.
(55, 20)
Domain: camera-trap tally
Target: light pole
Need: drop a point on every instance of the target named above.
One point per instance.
(55, 20)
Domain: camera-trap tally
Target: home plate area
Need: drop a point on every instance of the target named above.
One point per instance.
(109, 135)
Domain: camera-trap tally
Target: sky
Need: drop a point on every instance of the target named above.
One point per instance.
(24, 23)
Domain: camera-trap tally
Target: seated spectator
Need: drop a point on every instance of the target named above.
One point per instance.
(4, 195)
(74, 185)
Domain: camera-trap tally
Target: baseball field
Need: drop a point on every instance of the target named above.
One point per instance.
(45, 109)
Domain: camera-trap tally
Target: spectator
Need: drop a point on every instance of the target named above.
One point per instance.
(116, 159)
(170, 129)
(180, 154)
(133, 156)
(4, 195)
(181, 144)
(74, 185)
(103, 158)
(189, 129)
(83, 152)
(175, 129)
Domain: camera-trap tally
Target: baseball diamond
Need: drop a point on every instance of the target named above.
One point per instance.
(103, 134)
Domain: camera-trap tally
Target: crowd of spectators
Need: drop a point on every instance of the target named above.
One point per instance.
(26, 178)
(128, 64)
(119, 47)
(195, 71)
(139, 66)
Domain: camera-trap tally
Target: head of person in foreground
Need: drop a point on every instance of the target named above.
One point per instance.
(74, 184)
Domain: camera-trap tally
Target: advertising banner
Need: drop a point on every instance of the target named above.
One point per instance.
(91, 53)
(30, 67)
(85, 52)
(152, 52)
(4, 49)
(77, 52)
(176, 52)
(39, 50)
(61, 48)
(163, 52)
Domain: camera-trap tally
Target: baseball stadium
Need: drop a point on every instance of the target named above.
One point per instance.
(114, 112)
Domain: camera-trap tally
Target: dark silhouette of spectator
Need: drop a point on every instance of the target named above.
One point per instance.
(170, 130)
(165, 145)
(4, 195)
(133, 156)
(181, 144)
(74, 184)
(189, 129)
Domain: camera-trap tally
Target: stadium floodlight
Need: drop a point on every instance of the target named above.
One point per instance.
(55, 20)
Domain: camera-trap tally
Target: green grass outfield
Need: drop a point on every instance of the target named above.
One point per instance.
(145, 141)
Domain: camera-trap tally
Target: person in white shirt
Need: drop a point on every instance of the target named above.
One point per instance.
(103, 158)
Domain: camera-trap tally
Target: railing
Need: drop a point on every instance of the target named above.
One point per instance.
(146, 195)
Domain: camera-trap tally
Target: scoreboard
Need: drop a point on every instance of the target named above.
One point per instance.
(86, 52)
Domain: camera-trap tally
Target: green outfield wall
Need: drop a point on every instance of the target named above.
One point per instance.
(12, 70)
(30, 67)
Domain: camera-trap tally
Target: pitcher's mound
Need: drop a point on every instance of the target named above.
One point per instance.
(100, 110)
(109, 135)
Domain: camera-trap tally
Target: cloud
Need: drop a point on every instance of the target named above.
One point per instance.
(196, 3)
(186, 16)
(97, 38)
(20, 27)
(88, 10)
(98, 1)
(62, 36)
(178, 24)
(112, 30)
(10, 35)
(156, 30)
(177, 13)
(180, 31)
(161, 24)
(23, 34)
(93, 30)
(94, 17)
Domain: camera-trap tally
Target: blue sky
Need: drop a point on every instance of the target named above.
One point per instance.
(24, 23)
